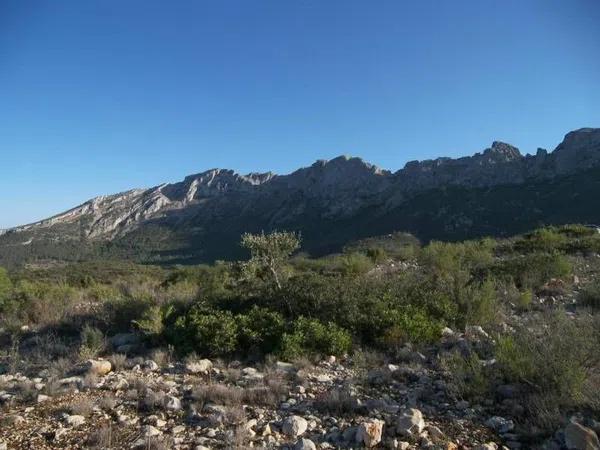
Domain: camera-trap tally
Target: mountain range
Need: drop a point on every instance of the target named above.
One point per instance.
(496, 192)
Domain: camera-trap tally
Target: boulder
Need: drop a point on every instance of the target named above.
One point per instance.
(410, 423)
(369, 433)
(98, 367)
(578, 437)
(294, 426)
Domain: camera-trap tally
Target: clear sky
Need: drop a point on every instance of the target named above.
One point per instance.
(101, 96)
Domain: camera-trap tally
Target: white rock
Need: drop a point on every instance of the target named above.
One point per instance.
(150, 431)
(150, 366)
(75, 420)
(475, 332)
(97, 367)
(294, 426)
(41, 398)
(411, 423)
(369, 433)
(488, 446)
(305, 444)
(201, 366)
(172, 403)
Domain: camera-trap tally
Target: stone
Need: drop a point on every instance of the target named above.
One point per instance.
(150, 366)
(75, 420)
(201, 366)
(294, 426)
(3, 446)
(500, 424)
(488, 446)
(41, 398)
(369, 433)
(476, 333)
(172, 403)
(435, 433)
(97, 367)
(250, 373)
(305, 444)
(150, 431)
(410, 423)
(578, 437)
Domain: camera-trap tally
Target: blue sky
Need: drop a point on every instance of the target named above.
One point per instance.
(98, 97)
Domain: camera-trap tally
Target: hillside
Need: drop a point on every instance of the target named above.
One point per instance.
(496, 192)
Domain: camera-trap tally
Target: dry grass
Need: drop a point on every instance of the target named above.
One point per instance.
(337, 402)
(61, 367)
(82, 407)
(108, 402)
(118, 361)
(101, 439)
(268, 394)
(151, 400)
(161, 357)
(27, 391)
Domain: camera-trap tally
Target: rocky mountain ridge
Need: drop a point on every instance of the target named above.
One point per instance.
(315, 200)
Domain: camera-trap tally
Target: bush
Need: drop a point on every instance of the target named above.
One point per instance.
(355, 264)
(260, 329)
(534, 270)
(205, 331)
(590, 295)
(468, 377)
(43, 303)
(410, 324)
(5, 287)
(92, 342)
(310, 336)
(559, 362)
(542, 240)
(524, 300)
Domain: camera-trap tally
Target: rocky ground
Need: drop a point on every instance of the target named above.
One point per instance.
(202, 404)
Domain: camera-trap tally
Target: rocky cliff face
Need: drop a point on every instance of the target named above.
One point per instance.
(341, 190)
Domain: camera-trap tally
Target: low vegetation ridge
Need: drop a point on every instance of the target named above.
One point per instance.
(498, 192)
(481, 344)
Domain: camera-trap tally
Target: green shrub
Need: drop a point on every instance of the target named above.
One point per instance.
(477, 304)
(377, 254)
(560, 359)
(5, 286)
(355, 264)
(310, 336)
(410, 324)
(43, 303)
(590, 295)
(468, 378)
(260, 329)
(542, 240)
(524, 300)
(533, 270)
(92, 342)
(205, 331)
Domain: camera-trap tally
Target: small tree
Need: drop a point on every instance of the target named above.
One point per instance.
(269, 254)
